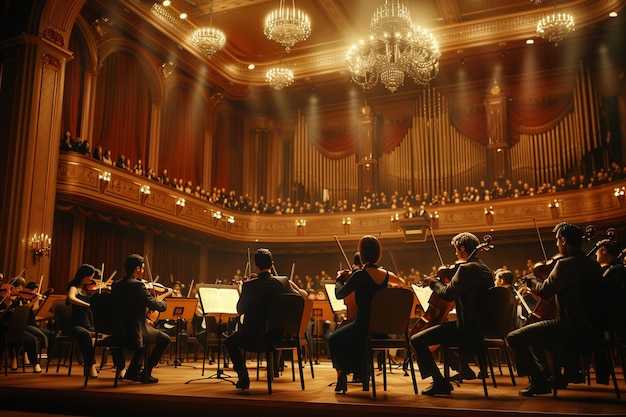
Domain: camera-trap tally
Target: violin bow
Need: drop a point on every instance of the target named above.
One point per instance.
(543, 249)
(149, 270)
(190, 288)
(348, 264)
(436, 245)
(293, 268)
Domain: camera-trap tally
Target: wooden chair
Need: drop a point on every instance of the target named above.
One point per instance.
(109, 326)
(498, 318)
(284, 318)
(390, 314)
(62, 314)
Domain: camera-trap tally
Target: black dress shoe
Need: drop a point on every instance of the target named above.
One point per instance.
(243, 383)
(147, 379)
(342, 383)
(536, 388)
(132, 376)
(465, 376)
(438, 388)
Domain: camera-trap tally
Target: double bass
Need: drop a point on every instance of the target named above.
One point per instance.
(438, 308)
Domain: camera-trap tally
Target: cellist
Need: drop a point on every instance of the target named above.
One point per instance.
(572, 281)
(467, 287)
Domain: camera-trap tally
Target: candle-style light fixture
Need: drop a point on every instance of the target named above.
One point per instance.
(40, 245)
(287, 26)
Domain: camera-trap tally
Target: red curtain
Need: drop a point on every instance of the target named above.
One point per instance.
(73, 91)
(60, 273)
(181, 149)
(337, 142)
(393, 132)
(110, 243)
(122, 108)
(176, 260)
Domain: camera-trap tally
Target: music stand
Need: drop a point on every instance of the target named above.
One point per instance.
(217, 301)
(179, 309)
(45, 310)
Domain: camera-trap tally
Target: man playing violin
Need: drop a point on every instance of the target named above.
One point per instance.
(467, 288)
(133, 297)
(572, 281)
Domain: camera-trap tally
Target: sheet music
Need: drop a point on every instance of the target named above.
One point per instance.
(335, 304)
(423, 295)
(218, 299)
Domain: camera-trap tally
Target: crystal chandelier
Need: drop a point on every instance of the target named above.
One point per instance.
(208, 39)
(287, 26)
(396, 48)
(279, 78)
(555, 27)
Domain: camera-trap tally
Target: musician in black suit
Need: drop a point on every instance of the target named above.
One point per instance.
(572, 282)
(133, 297)
(467, 288)
(253, 304)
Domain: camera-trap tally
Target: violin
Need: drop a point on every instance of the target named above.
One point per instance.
(611, 237)
(29, 295)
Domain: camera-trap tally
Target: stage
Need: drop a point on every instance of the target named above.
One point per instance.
(28, 394)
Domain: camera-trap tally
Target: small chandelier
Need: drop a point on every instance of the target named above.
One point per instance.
(279, 78)
(396, 48)
(555, 27)
(287, 26)
(208, 39)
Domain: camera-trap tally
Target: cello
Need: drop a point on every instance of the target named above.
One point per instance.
(438, 308)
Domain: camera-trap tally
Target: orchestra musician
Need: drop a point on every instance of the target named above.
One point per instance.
(468, 286)
(348, 344)
(611, 315)
(79, 297)
(11, 300)
(133, 297)
(255, 295)
(572, 281)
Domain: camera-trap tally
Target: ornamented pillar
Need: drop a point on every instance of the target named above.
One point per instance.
(498, 157)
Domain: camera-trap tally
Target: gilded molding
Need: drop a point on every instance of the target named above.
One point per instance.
(51, 62)
(53, 36)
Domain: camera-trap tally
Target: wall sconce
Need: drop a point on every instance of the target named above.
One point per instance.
(180, 203)
(145, 192)
(229, 222)
(217, 216)
(554, 208)
(434, 219)
(300, 225)
(619, 194)
(105, 179)
(346, 221)
(395, 218)
(489, 215)
(40, 245)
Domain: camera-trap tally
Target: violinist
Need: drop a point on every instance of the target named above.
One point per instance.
(12, 300)
(348, 344)
(572, 281)
(78, 297)
(30, 296)
(467, 287)
(133, 297)
(256, 293)
(611, 314)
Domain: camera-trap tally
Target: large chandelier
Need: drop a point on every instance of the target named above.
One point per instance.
(396, 47)
(279, 78)
(208, 39)
(555, 27)
(287, 26)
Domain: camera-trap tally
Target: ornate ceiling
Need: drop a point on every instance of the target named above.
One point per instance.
(479, 40)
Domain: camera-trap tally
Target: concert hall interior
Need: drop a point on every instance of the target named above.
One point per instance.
(186, 130)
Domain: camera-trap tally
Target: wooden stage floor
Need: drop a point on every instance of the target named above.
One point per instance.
(45, 394)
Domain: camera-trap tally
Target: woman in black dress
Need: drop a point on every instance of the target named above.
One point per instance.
(348, 344)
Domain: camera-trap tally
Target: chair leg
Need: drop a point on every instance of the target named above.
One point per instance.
(270, 370)
(300, 366)
(509, 364)
(373, 372)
